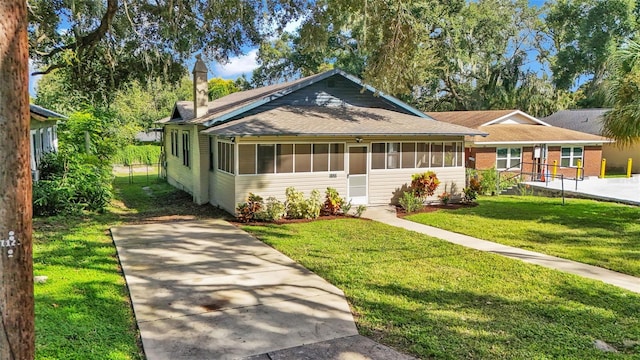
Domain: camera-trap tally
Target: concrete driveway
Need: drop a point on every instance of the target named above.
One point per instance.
(207, 290)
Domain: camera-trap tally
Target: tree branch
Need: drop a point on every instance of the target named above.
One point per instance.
(48, 70)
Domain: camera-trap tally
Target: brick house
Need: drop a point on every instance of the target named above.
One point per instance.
(520, 142)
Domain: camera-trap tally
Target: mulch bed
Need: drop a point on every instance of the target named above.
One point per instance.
(435, 207)
(291, 221)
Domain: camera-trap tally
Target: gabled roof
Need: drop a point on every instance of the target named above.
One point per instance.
(585, 120)
(535, 134)
(42, 114)
(236, 104)
(478, 118)
(347, 120)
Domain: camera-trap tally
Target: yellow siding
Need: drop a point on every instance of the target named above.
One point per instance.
(192, 179)
(276, 184)
(387, 185)
(617, 158)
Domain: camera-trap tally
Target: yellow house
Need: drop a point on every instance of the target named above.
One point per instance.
(325, 130)
(590, 121)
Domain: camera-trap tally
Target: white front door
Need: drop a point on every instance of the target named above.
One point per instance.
(357, 176)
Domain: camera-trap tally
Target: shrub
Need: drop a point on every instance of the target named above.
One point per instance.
(409, 202)
(247, 211)
(360, 210)
(313, 205)
(346, 206)
(70, 183)
(332, 202)
(445, 197)
(424, 184)
(137, 154)
(470, 194)
(274, 210)
(488, 181)
(294, 204)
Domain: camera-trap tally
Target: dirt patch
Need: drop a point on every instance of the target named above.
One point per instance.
(431, 208)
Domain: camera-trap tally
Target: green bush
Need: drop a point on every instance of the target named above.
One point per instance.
(488, 181)
(409, 202)
(297, 207)
(274, 210)
(137, 154)
(295, 203)
(360, 210)
(71, 183)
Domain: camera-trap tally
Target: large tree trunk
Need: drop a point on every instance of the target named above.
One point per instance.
(17, 340)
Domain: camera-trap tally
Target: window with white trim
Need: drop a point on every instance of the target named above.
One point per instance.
(569, 156)
(290, 158)
(416, 155)
(186, 148)
(174, 142)
(508, 158)
(226, 157)
(211, 158)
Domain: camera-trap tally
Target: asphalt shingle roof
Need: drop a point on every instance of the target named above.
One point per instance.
(472, 119)
(347, 120)
(505, 133)
(585, 120)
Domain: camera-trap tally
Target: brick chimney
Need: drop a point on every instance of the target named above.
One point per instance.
(200, 88)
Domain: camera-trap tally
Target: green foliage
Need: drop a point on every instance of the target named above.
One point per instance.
(274, 210)
(332, 202)
(346, 207)
(295, 203)
(424, 184)
(471, 192)
(622, 123)
(219, 87)
(360, 210)
(105, 138)
(137, 154)
(445, 197)
(313, 206)
(71, 183)
(249, 210)
(409, 202)
(300, 208)
(488, 181)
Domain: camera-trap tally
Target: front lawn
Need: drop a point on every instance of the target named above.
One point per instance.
(83, 309)
(438, 300)
(592, 232)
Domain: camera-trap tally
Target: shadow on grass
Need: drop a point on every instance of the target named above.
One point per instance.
(451, 324)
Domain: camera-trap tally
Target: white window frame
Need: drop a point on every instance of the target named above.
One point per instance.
(186, 148)
(458, 147)
(572, 156)
(229, 156)
(275, 167)
(509, 158)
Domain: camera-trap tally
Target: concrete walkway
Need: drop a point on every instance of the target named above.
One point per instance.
(207, 290)
(387, 215)
(624, 190)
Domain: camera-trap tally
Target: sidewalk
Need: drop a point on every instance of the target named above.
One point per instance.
(387, 215)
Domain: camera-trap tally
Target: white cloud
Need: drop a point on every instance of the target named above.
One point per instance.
(243, 64)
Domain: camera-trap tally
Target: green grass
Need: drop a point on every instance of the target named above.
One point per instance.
(83, 310)
(438, 300)
(598, 233)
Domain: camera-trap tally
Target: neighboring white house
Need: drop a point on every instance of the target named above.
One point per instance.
(325, 130)
(44, 136)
